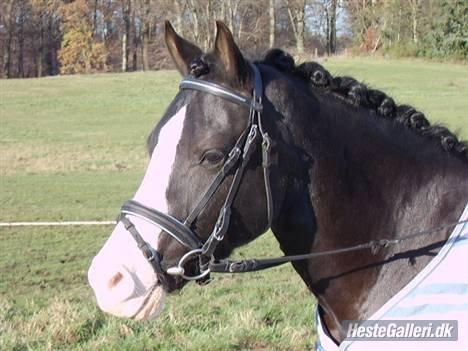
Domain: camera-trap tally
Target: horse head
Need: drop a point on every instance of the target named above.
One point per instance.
(204, 192)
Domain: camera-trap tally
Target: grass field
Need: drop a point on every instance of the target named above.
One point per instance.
(73, 148)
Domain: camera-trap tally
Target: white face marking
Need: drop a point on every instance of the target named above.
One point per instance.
(122, 280)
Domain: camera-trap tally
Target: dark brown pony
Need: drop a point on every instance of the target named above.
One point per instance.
(350, 167)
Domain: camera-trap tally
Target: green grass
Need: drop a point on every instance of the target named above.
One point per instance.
(73, 148)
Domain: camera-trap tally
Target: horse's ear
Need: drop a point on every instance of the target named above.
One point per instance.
(182, 51)
(237, 68)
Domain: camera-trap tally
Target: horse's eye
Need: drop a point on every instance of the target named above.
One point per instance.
(212, 157)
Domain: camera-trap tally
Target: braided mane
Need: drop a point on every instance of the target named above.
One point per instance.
(358, 94)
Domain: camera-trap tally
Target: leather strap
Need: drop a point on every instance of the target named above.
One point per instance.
(222, 223)
(215, 89)
(258, 90)
(168, 223)
(151, 255)
(231, 161)
(251, 265)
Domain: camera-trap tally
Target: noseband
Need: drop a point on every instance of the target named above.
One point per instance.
(236, 163)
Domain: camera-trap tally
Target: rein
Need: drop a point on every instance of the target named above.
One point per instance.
(252, 265)
(238, 156)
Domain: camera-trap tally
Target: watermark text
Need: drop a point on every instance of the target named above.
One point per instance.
(396, 330)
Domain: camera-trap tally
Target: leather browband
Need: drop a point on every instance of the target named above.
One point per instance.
(228, 94)
(214, 89)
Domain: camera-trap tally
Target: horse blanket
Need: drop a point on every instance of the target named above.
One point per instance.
(438, 292)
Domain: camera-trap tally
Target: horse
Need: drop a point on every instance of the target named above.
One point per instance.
(362, 194)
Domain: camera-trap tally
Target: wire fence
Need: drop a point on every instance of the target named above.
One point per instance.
(53, 224)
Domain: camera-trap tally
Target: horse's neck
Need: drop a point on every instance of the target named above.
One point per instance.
(357, 191)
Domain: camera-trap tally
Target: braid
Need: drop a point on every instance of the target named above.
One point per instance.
(359, 95)
(446, 138)
(387, 108)
(316, 74)
(280, 60)
(462, 149)
(380, 102)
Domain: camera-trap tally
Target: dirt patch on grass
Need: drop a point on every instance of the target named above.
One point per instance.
(21, 158)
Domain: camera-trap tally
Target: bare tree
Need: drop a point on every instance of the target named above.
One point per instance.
(41, 42)
(179, 7)
(8, 18)
(145, 32)
(296, 12)
(272, 23)
(21, 20)
(331, 47)
(95, 13)
(208, 35)
(136, 35)
(232, 13)
(126, 8)
(414, 18)
(367, 21)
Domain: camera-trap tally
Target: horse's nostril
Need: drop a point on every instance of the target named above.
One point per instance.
(115, 280)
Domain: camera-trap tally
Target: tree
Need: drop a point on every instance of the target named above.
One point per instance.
(331, 37)
(146, 22)
(21, 20)
(414, 17)
(449, 36)
(272, 23)
(367, 22)
(8, 21)
(46, 37)
(296, 12)
(80, 53)
(126, 8)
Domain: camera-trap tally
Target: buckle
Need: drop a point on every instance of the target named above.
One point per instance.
(256, 102)
(266, 147)
(232, 157)
(250, 139)
(149, 252)
(221, 224)
(252, 134)
(257, 105)
(243, 266)
(179, 270)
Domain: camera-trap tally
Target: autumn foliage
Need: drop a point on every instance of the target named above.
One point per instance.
(80, 52)
(48, 37)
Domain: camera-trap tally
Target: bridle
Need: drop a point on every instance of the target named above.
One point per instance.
(236, 162)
